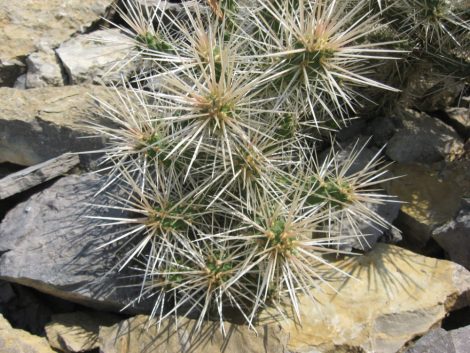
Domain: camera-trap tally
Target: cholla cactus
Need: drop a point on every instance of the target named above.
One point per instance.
(212, 147)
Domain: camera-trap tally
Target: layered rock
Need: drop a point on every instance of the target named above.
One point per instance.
(395, 295)
(39, 124)
(101, 56)
(26, 24)
(56, 248)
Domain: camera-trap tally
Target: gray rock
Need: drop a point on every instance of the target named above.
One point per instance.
(442, 341)
(37, 174)
(39, 124)
(55, 249)
(461, 339)
(27, 24)
(454, 238)
(43, 69)
(420, 138)
(20, 82)
(435, 341)
(99, 56)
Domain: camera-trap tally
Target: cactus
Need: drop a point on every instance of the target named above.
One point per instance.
(213, 146)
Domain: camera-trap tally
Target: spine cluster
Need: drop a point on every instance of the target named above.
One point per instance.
(213, 145)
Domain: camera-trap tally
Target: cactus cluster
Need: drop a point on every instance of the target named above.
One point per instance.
(227, 203)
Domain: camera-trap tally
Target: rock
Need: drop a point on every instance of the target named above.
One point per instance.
(56, 248)
(442, 341)
(19, 341)
(133, 336)
(428, 89)
(27, 24)
(459, 118)
(454, 237)
(397, 295)
(20, 82)
(461, 339)
(43, 69)
(420, 138)
(435, 341)
(39, 124)
(37, 174)
(428, 200)
(99, 56)
(78, 331)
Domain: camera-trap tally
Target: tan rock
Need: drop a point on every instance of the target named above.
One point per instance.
(40, 124)
(396, 295)
(429, 200)
(77, 332)
(24, 24)
(19, 341)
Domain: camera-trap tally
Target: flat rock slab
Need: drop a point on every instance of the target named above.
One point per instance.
(36, 174)
(397, 295)
(48, 243)
(101, 56)
(39, 124)
(442, 341)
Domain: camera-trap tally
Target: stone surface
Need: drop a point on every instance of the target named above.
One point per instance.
(98, 56)
(461, 339)
(43, 69)
(26, 24)
(454, 237)
(37, 174)
(19, 341)
(442, 341)
(397, 295)
(134, 336)
(429, 201)
(435, 341)
(55, 249)
(420, 138)
(78, 331)
(39, 124)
